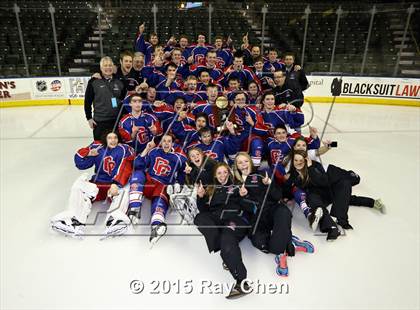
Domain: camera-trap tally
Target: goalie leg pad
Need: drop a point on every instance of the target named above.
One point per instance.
(79, 203)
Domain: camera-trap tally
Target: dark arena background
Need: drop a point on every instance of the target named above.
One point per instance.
(138, 136)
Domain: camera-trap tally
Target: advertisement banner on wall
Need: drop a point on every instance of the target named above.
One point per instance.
(77, 87)
(366, 90)
(15, 89)
(363, 87)
(49, 88)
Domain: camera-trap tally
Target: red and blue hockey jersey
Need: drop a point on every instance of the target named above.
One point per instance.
(279, 150)
(223, 146)
(167, 168)
(144, 135)
(279, 116)
(111, 165)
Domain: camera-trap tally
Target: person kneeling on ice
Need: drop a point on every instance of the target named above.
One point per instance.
(154, 169)
(271, 219)
(113, 163)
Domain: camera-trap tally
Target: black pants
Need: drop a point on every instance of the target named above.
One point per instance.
(314, 201)
(361, 201)
(341, 183)
(273, 231)
(102, 127)
(224, 239)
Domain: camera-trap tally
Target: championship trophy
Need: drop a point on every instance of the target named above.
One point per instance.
(221, 114)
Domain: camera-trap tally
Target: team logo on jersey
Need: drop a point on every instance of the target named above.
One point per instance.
(199, 58)
(108, 164)
(238, 120)
(211, 154)
(142, 135)
(220, 62)
(55, 85)
(212, 120)
(161, 167)
(254, 179)
(275, 156)
(134, 186)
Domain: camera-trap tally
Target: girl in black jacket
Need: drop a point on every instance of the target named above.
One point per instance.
(199, 168)
(222, 222)
(343, 179)
(310, 177)
(271, 219)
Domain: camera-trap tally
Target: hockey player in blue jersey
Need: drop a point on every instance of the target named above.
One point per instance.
(138, 127)
(282, 143)
(208, 105)
(112, 162)
(168, 114)
(254, 94)
(154, 169)
(147, 48)
(220, 147)
(208, 64)
(199, 50)
(279, 147)
(273, 116)
(224, 55)
(241, 72)
(183, 45)
(250, 126)
(188, 135)
(273, 63)
(165, 84)
(191, 93)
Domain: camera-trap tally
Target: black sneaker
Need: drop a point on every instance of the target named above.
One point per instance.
(345, 224)
(264, 249)
(237, 291)
(354, 177)
(333, 234)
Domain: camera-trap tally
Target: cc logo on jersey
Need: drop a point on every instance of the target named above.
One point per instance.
(220, 62)
(276, 156)
(212, 120)
(161, 167)
(199, 58)
(108, 164)
(142, 135)
(211, 154)
(238, 120)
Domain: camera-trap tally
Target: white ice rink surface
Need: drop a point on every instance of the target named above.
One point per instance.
(376, 266)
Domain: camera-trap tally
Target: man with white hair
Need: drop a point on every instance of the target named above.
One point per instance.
(105, 95)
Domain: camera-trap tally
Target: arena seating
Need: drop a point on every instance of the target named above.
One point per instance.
(76, 23)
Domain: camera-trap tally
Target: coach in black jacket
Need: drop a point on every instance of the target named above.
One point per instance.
(105, 95)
